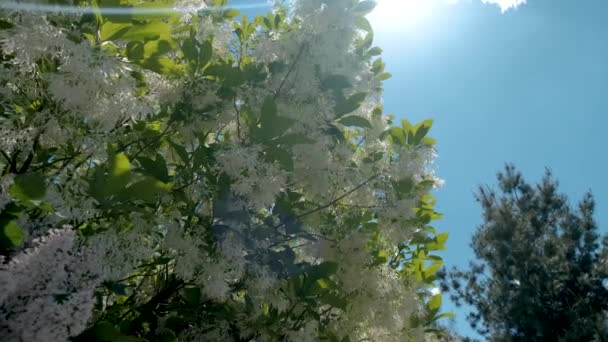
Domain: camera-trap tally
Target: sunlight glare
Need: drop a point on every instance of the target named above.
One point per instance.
(400, 16)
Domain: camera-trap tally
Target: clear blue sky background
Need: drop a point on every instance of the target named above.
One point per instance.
(529, 86)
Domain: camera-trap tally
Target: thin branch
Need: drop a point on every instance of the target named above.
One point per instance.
(155, 140)
(341, 197)
(291, 68)
(335, 201)
(44, 166)
(238, 120)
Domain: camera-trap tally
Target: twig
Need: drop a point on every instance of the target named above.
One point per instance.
(293, 65)
(155, 140)
(238, 120)
(325, 206)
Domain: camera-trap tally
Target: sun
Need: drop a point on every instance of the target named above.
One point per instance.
(400, 15)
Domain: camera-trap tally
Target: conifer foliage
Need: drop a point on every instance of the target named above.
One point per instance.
(541, 269)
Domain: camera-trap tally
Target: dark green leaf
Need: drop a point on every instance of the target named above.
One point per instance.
(280, 155)
(272, 125)
(118, 288)
(354, 120)
(293, 139)
(335, 82)
(135, 50)
(181, 152)
(29, 186)
(155, 168)
(397, 135)
(350, 105)
(190, 51)
(421, 130)
(205, 53)
(375, 51)
(106, 331)
(166, 335)
(268, 23)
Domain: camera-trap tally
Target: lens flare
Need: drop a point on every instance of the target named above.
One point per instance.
(64, 9)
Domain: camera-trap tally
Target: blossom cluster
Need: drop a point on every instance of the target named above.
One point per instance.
(217, 179)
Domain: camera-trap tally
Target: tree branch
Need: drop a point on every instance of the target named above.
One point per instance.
(325, 206)
(291, 68)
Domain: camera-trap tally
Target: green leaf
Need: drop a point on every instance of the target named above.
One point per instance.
(350, 105)
(148, 189)
(432, 270)
(166, 335)
(354, 120)
(362, 23)
(155, 168)
(193, 295)
(293, 139)
(442, 238)
(231, 13)
(403, 187)
(375, 51)
(12, 235)
(205, 54)
(112, 31)
(135, 50)
(277, 21)
(384, 76)
(269, 109)
(397, 135)
(178, 324)
(29, 186)
(190, 51)
(268, 23)
(118, 288)
(322, 270)
(434, 303)
(280, 155)
(156, 48)
(272, 125)
(4, 25)
(336, 82)
(181, 152)
(421, 130)
(163, 66)
(106, 331)
(120, 172)
(378, 66)
(364, 7)
(444, 315)
(152, 30)
(335, 301)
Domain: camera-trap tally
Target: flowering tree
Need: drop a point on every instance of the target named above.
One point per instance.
(199, 175)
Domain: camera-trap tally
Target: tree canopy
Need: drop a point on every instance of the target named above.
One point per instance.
(541, 272)
(201, 175)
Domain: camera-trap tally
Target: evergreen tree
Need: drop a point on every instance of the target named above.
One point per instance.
(541, 269)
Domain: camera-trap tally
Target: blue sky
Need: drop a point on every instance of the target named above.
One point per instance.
(527, 86)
